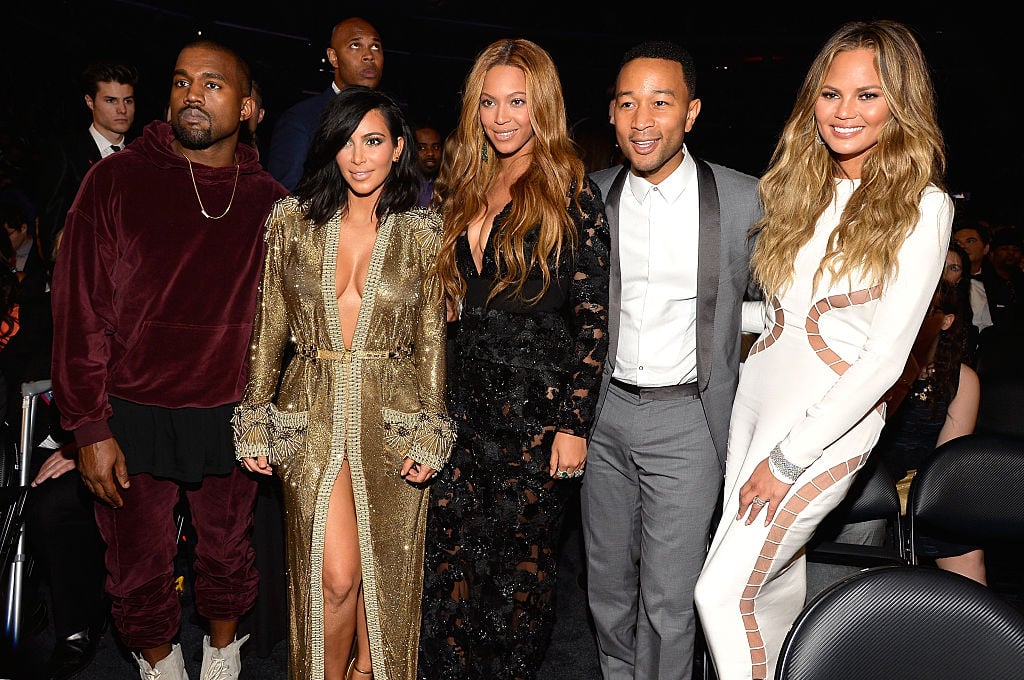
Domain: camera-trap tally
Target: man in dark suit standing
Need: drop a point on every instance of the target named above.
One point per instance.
(656, 463)
(109, 93)
(357, 55)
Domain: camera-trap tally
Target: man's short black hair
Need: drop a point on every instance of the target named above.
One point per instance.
(244, 72)
(664, 49)
(107, 72)
(983, 231)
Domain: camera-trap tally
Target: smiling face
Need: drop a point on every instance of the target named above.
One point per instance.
(851, 109)
(505, 111)
(366, 158)
(652, 112)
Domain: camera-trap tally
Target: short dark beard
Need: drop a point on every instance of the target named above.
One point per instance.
(191, 138)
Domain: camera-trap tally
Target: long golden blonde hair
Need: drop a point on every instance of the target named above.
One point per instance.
(800, 181)
(539, 196)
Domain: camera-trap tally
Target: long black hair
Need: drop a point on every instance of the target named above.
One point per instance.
(965, 314)
(952, 346)
(323, 191)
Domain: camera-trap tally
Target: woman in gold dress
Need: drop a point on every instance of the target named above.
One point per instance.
(359, 423)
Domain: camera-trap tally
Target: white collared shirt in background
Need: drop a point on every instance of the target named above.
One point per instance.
(102, 143)
(658, 230)
(982, 316)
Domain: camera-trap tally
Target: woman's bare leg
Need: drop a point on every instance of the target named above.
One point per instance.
(344, 615)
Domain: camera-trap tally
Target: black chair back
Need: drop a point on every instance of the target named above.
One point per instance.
(969, 491)
(872, 495)
(906, 622)
(999, 411)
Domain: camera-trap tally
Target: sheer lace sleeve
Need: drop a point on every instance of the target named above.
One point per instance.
(589, 299)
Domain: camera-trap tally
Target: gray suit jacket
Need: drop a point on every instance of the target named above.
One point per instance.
(729, 206)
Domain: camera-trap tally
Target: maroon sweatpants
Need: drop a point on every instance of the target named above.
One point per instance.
(141, 548)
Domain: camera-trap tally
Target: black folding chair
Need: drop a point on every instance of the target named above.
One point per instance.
(873, 496)
(15, 555)
(968, 492)
(906, 622)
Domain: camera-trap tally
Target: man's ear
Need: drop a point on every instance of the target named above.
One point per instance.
(248, 108)
(89, 102)
(692, 111)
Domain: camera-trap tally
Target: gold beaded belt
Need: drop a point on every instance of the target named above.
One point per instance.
(348, 355)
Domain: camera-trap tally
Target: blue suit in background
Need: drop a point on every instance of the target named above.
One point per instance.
(293, 135)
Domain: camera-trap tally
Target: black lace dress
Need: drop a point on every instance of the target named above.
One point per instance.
(519, 373)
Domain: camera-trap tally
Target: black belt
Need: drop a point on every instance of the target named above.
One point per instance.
(666, 392)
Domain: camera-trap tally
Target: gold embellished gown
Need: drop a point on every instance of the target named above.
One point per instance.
(375, 403)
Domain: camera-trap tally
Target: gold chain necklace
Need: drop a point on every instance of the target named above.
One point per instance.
(202, 208)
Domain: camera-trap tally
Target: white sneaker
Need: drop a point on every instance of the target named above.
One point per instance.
(222, 664)
(171, 667)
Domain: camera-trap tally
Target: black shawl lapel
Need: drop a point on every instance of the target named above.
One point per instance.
(708, 247)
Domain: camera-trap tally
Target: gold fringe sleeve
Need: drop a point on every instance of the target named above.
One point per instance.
(266, 431)
(425, 437)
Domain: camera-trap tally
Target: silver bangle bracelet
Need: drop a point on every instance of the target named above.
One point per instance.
(783, 470)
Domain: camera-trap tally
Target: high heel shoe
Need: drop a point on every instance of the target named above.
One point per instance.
(352, 668)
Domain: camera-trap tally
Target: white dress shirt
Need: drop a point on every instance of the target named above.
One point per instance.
(658, 229)
(102, 143)
(981, 316)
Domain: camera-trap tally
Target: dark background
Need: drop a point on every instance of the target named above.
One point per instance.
(750, 64)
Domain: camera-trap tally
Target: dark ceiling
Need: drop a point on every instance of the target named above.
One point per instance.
(750, 63)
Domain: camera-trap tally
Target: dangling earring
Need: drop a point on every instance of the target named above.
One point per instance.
(483, 151)
(817, 136)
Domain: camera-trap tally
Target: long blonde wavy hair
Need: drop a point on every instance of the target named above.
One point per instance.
(539, 196)
(800, 181)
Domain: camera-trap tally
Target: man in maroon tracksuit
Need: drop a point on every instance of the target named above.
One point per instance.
(154, 295)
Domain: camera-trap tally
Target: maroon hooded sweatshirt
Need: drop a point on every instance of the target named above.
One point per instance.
(154, 303)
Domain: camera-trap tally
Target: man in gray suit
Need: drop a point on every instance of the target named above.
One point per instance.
(679, 272)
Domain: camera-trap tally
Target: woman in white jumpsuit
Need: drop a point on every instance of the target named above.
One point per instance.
(848, 253)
